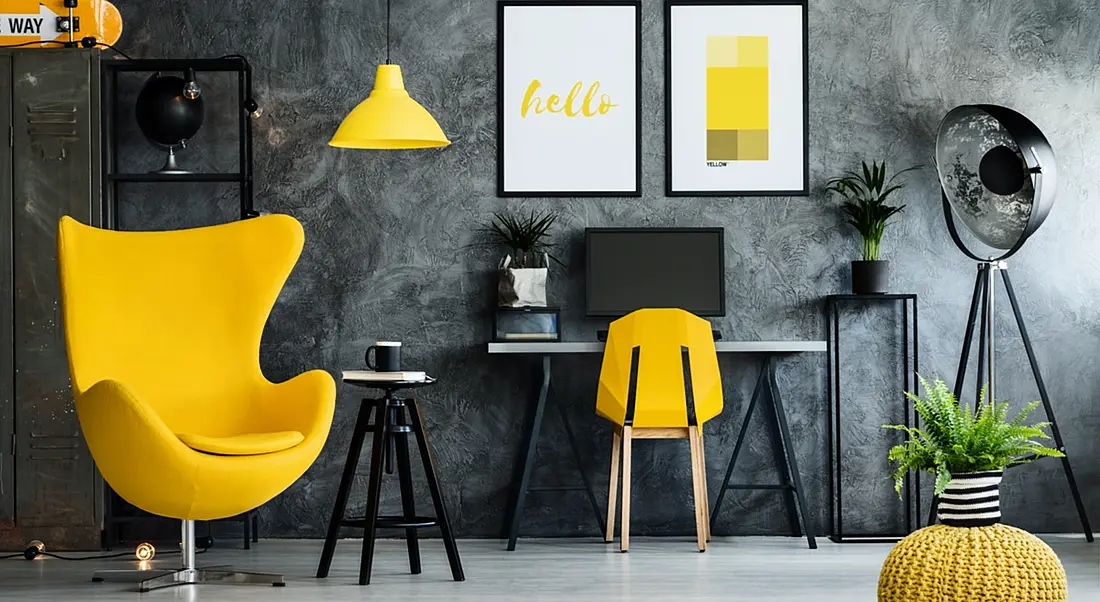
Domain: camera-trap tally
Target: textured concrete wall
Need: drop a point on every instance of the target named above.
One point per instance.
(387, 252)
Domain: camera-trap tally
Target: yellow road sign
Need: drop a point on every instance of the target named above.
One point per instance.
(28, 21)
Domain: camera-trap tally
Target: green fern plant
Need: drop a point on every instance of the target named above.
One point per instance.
(865, 195)
(953, 439)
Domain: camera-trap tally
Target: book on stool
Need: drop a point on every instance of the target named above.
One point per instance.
(383, 377)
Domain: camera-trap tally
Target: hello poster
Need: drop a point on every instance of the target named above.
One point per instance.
(568, 78)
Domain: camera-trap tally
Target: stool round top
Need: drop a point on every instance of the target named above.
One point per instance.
(390, 385)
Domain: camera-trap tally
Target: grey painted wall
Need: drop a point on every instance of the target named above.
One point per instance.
(387, 252)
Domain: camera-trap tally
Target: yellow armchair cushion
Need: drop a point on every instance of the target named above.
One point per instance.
(251, 444)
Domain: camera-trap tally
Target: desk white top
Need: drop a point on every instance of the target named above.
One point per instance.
(543, 348)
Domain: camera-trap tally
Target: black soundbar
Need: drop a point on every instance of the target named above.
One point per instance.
(601, 335)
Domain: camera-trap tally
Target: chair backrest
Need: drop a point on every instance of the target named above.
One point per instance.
(175, 316)
(660, 369)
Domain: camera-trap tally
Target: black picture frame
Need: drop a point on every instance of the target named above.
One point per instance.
(805, 191)
(637, 191)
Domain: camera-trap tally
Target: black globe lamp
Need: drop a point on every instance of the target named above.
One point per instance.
(170, 111)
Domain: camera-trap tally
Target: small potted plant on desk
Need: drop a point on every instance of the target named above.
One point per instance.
(970, 556)
(522, 276)
(865, 194)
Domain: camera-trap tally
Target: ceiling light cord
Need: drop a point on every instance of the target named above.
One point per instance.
(387, 32)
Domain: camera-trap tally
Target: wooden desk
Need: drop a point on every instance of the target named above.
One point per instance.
(766, 388)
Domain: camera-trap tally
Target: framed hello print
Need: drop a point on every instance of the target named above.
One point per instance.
(568, 90)
(736, 98)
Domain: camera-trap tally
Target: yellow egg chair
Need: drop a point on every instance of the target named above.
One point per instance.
(163, 335)
(659, 380)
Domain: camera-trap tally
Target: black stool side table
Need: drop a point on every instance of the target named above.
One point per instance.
(390, 428)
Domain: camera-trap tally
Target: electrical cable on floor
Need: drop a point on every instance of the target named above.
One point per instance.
(29, 555)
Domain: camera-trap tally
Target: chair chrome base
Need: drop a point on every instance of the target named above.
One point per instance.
(151, 579)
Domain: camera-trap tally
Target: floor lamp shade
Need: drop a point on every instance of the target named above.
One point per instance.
(389, 118)
(998, 175)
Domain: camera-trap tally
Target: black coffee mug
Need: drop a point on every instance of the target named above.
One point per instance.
(387, 356)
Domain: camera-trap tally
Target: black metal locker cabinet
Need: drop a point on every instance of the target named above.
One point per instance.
(54, 113)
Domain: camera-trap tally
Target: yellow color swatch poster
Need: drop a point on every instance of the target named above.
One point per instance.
(737, 98)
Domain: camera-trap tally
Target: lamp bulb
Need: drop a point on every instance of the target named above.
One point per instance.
(191, 89)
(253, 108)
(145, 551)
(34, 549)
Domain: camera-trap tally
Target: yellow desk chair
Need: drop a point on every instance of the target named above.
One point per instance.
(659, 380)
(163, 334)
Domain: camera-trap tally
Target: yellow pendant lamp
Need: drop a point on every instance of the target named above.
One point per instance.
(389, 119)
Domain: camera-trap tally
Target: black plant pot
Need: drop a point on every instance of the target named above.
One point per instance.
(870, 277)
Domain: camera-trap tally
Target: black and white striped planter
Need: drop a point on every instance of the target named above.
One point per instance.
(972, 499)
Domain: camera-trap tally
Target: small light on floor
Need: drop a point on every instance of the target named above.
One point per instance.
(145, 551)
(34, 549)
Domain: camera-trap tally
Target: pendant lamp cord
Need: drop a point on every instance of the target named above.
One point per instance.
(387, 32)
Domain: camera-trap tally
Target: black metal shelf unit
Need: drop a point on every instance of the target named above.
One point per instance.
(112, 178)
(909, 341)
(116, 514)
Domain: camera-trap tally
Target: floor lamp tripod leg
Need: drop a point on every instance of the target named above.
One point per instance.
(964, 357)
(1045, 397)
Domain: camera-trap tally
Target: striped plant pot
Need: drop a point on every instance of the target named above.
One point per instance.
(972, 499)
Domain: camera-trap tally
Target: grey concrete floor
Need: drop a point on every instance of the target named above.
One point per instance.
(773, 569)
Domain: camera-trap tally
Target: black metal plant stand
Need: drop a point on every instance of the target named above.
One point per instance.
(783, 448)
(982, 299)
(394, 420)
(910, 340)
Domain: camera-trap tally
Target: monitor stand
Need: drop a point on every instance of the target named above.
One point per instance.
(601, 335)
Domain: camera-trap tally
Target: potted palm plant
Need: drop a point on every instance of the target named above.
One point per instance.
(865, 194)
(524, 269)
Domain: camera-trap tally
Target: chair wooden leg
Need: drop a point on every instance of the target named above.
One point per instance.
(697, 482)
(627, 443)
(706, 493)
(613, 486)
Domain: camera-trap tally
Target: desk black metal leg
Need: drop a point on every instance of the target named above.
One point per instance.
(437, 495)
(780, 443)
(580, 467)
(737, 448)
(248, 530)
(791, 457)
(530, 450)
(408, 505)
(354, 449)
(374, 492)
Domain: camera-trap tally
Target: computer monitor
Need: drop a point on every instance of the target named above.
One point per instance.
(632, 268)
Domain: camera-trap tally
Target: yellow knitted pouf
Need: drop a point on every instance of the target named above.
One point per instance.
(959, 564)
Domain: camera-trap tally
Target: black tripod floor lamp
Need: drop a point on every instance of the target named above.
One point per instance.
(999, 178)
